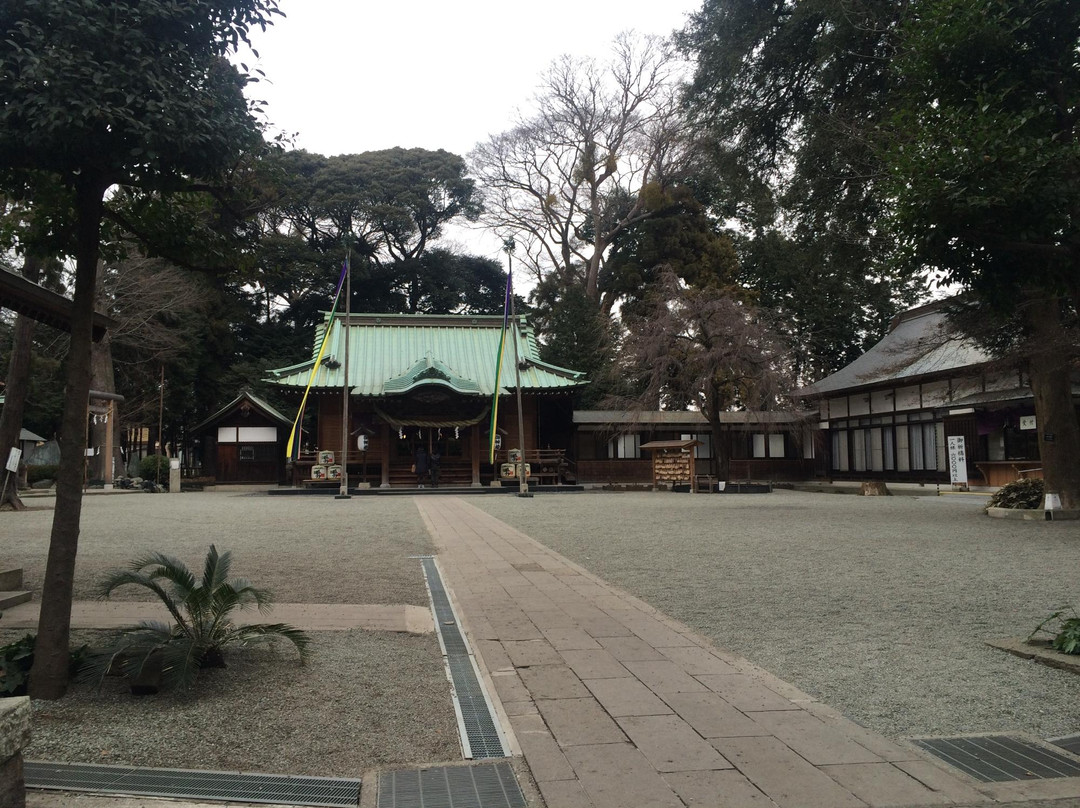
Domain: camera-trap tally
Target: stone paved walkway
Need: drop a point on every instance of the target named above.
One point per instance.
(615, 705)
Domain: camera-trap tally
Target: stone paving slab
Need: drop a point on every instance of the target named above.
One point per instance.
(526, 653)
(665, 677)
(882, 784)
(577, 722)
(720, 789)
(813, 739)
(784, 776)
(697, 661)
(618, 775)
(666, 719)
(565, 793)
(628, 696)
(598, 664)
(671, 744)
(552, 682)
(93, 614)
(958, 789)
(712, 717)
(745, 693)
(544, 756)
(630, 649)
(570, 639)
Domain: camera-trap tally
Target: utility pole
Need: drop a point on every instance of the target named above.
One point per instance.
(160, 425)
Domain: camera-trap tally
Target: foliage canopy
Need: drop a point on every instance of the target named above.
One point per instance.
(788, 98)
(131, 92)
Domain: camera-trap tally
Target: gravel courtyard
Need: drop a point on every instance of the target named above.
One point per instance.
(303, 549)
(366, 699)
(878, 606)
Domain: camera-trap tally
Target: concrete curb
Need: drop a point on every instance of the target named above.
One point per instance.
(304, 616)
(1032, 514)
(1040, 651)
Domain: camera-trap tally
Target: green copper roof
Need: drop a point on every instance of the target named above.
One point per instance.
(430, 371)
(392, 354)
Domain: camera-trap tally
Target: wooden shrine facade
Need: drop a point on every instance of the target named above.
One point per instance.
(425, 381)
(243, 442)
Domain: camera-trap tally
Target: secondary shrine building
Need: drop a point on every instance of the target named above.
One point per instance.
(429, 380)
(889, 415)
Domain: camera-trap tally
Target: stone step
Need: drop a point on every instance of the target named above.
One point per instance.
(10, 578)
(12, 598)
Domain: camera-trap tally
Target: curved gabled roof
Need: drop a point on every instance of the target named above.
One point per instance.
(430, 371)
(245, 395)
(392, 354)
(920, 344)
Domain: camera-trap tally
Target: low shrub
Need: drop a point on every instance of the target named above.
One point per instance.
(35, 474)
(202, 610)
(155, 468)
(1025, 493)
(17, 658)
(15, 661)
(1063, 627)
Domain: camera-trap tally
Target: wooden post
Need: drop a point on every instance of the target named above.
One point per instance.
(108, 453)
(474, 450)
(385, 456)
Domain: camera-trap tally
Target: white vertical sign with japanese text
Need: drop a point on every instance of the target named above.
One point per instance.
(957, 460)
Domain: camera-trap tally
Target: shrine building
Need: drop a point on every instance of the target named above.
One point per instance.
(428, 380)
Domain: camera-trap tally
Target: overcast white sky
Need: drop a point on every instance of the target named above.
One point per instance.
(347, 76)
(354, 75)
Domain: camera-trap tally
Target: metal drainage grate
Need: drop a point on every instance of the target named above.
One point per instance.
(280, 789)
(1000, 758)
(1070, 743)
(487, 785)
(480, 734)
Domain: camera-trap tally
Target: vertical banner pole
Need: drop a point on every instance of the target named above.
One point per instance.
(523, 483)
(509, 245)
(343, 492)
(315, 366)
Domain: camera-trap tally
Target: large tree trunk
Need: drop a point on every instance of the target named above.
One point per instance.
(49, 674)
(1055, 416)
(721, 446)
(16, 389)
(721, 454)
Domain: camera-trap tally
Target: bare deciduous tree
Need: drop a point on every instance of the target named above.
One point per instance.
(151, 303)
(566, 181)
(707, 348)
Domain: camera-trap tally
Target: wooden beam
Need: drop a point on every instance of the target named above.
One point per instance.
(43, 305)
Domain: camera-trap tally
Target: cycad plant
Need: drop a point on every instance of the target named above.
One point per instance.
(202, 614)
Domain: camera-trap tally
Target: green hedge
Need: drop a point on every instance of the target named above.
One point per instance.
(36, 474)
(150, 465)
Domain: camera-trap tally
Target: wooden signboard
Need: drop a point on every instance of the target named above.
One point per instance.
(673, 461)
